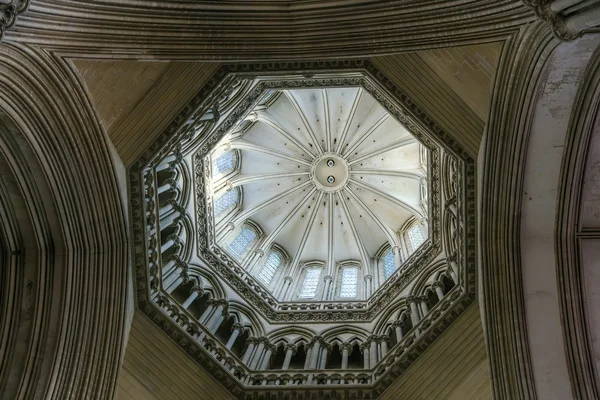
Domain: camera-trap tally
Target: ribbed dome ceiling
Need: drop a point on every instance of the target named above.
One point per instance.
(326, 174)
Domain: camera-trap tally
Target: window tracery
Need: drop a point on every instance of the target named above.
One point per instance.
(415, 236)
(240, 245)
(310, 284)
(270, 267)
(224, 163)
(226, 201)
(389, 264)
(349, 284)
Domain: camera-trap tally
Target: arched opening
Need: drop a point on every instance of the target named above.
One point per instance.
(224, 331)
(199, 305)
(355, 360)
(278, 358)
(299, 358)
(239, 346)
(334, 358)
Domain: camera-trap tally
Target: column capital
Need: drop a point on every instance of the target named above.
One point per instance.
(437, 284)
(260, 252)
(412, 299)
(382, 338)
(398, 323)
(364, 346)
(252, 340)
(264, 341)
(327, 278)
(237, 327)
(290, 346)
(196, 288)
(346, 346)
(368, 277)
(316, 339)
(288, 279)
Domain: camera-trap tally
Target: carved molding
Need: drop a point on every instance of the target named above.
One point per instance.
(500, 268)
(574, 320)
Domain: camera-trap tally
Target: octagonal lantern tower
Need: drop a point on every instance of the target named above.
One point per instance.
(303, 225)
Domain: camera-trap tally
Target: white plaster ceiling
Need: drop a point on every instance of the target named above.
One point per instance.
(383, 188)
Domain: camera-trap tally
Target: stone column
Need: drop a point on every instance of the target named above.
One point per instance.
(236, 329)
(172, 240)
(368, 286)
(265, 361)
(414, 310)
(193, 296)
(251, 344)
(308, 349)
(257, 354)
(399, 326)
(373, 351)
(424, 306)
(287, 283)
(217, 323)
(290, 349)
(365, 350)
(206, 314)
(326, 287)
(438, 289)
(383, 339)
(324, 353)
(314, 359)
(397, 258)
(451, 260)
(220, 304)
(345, 347)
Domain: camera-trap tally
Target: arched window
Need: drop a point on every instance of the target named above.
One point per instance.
(310, 284)
(389, 264)
(270, 267)
(348, 287)
(415, 236)
(242, 242)
(226, 201)
(224, 163)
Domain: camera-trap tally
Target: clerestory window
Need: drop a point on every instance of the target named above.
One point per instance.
(270, 267)
(226, 201)
(224, 164)
(415, 236)
(310, 284)
(242, 242)
(349, 282)
(389, 264)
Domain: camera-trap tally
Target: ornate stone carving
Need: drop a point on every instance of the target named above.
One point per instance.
(10, 12)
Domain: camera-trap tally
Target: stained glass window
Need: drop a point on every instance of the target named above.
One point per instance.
(415, 235)
(224, 202)
(224, 163)
(240, 244)
(389, 264)
(270, 267)
(311, 281)
(349, 282)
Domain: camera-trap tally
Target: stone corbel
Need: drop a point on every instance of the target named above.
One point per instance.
(566, 27)
(9, 11)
